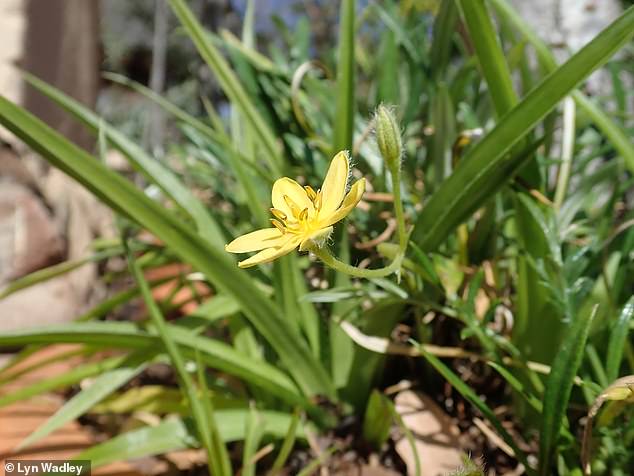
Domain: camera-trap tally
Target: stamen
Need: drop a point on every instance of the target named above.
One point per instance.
(292, 205)
(310, 192)
(303, 215)
(279, 214)
(278, 225)
(317, 201)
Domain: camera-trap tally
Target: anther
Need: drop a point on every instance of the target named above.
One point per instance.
(303, 215)
(292, 205)
(310, 192)
(317, 201)
(279, 214)
(278, 225)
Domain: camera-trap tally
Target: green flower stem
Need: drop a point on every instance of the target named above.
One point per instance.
(395, 170)
(324, 255)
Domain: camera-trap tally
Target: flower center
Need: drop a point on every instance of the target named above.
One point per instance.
(300, 220)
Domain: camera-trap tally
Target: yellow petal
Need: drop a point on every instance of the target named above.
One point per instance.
(269, 254)
(334, 187)
(317, 236)
(257, 240)
(295, 192)
(351, 200)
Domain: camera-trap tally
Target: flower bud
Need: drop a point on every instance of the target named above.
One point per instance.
(388, 136)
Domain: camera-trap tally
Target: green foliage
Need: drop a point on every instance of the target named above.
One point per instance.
(494, 271)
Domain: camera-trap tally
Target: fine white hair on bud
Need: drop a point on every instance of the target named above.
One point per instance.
(388, 136)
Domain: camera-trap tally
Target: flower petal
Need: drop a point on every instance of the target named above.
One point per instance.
(269, 254)
(352, 198)
(257, 240)
(294, 192)
(334, 187)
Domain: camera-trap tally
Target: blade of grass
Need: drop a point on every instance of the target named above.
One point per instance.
(74, 375)
(486, 167)
(468, 393)
(495, 69)
(343, 126)
(287, 444)
(253, 433)
(6, 376)
(230, 84)
(237, 159)
(51, 272)
(219, 449)
(175, 434)
(100, 388)
(126, 335)
(618, 340)
(559, 387)
(178, 362)
(155, 171)
(490, 55)
(444, 29)
(123, 197)
(613, 131)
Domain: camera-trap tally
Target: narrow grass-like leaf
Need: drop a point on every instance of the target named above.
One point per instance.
(343, 126)
(468, 393)
(6, 376)
(378, 419)
(518, 386)
(490, 54)
(218, 448)
(618, 340)
(125, 335)
(124, 198)
(444, 29)
(253, 433)
(230, 83)
(613, 131)
(487, 167)
(559, 387)
(178, 362)
(175, 434)
(99, 389)
(66, 379)
(287, 444)
(51, 272)
(155, 171)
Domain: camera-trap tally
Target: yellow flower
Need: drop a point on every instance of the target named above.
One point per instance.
(303, 216)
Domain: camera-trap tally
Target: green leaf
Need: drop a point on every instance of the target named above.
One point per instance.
(559, 387)
(490, 54)
(486, 168)
(444, 29)
(618, 340)
(254, 431)
(206, 428)
(612, 130)
(123, 197)
(378, 419)
(99, 389)
(71, 377)
(175, 434)
(155, 171)
(343, 126)
(230, 84)
(126, 335)
(468, 393)
(51, 272)
(287, 444)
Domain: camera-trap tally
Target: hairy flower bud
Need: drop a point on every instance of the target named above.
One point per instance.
(388, 136)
